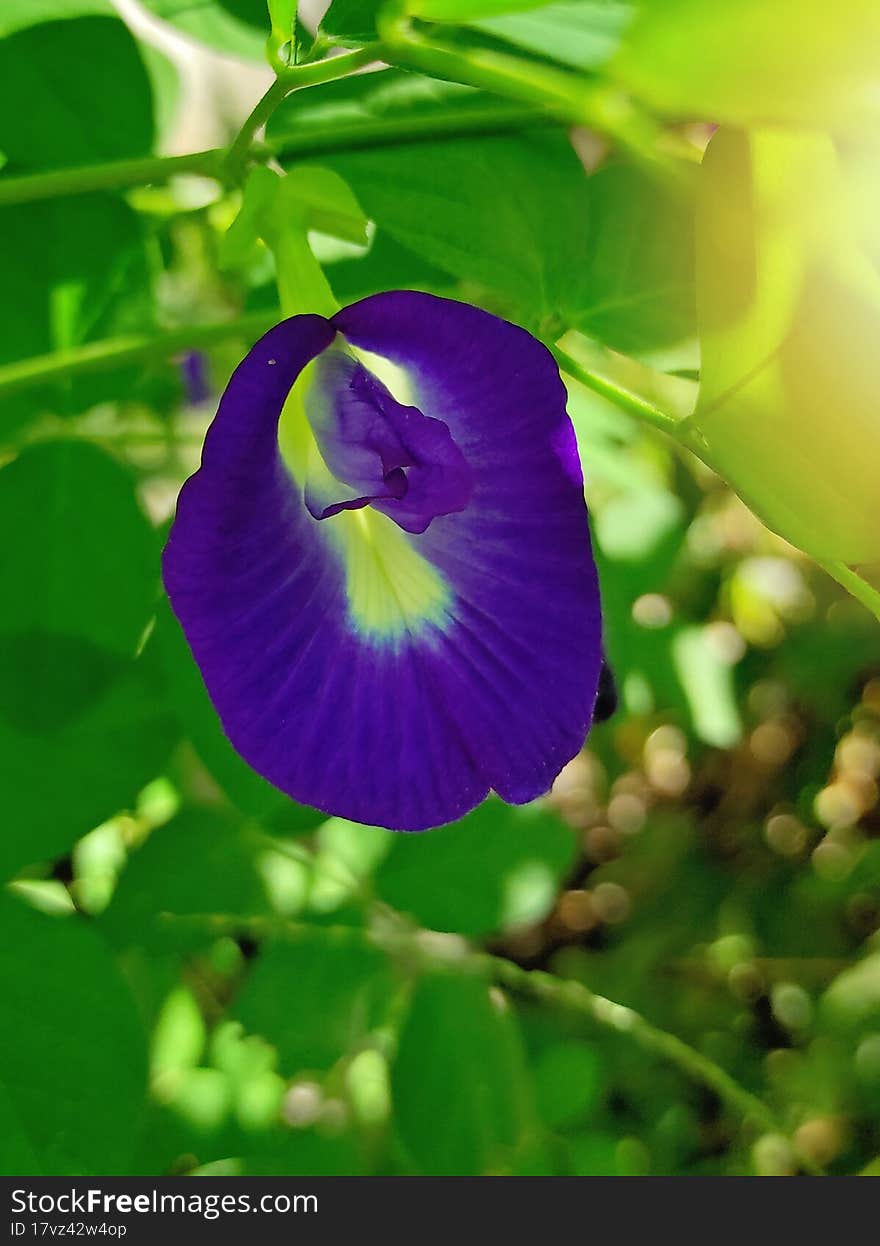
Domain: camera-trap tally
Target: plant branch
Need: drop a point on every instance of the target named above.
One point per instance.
(573, 996)
(113, 352)
(478, 117)
(482, 117)
(114, 175)
(287, 81)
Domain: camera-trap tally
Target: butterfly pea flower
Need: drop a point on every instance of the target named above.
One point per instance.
(383, 565)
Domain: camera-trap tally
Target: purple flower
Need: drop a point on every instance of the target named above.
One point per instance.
(383, 565)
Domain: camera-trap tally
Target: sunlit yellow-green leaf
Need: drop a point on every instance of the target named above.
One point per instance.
(789, 308)
(755, 61)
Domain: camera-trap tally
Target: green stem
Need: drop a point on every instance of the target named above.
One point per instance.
(633, 404)
(287, 81)
(302, 286)
(575, 997)
(481, 117)
(854, 584)
(115, 175)
(683, 433)
(394, 936)
(114, 352)
(577, 99)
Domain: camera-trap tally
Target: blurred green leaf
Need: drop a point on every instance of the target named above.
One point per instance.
(305, 1152)
(580, 33)
(82, 728)
(350, 23)
(17, 1155)
(635, 284)
(60, 781)
(85, 564)
(313, 996)
(239, 27)
(568, 1082)
(459, 1081)
(759, 62)
(72, 1051)
(198, 864)
(499, 866)
(17, 14)
(708, 684)
(468, 10)
(60, 61)
(852, 1002)
(789, 302)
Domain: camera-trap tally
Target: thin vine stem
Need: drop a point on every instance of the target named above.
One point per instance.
(522, 94)
(621, 397)
(482, 117)
(573, 996)
(854, 585)
(113, 175)
(286, 82)
(135, 348)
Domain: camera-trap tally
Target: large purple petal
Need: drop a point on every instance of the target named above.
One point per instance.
(494, 686)
(520, 664)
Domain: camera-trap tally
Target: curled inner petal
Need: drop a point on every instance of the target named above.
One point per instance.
(373, 450)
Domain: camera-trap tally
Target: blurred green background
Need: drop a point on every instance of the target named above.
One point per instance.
(197, 975)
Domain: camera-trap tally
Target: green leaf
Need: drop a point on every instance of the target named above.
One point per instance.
(611, 254)
(305, 1152)
(82, 728)
(386, 266)
(508, 213)
(311, 197)
(240, 27)
(350, 23)
(635, 284)
(498, 866)
(756, 61)
(84, 560)
(17, 14)
(580, 33)
(72, 1051)
(198, 864)
(459, 1081)
(313, 996)
(16, 1153)
(789, 309)
(59, 782)
(469, 10)
(708, 685)
(51, 115)
(568, 1082)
